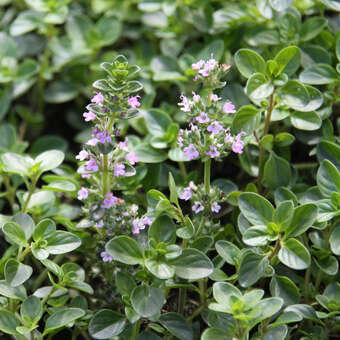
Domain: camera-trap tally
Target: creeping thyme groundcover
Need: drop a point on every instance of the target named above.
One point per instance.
(169, 170)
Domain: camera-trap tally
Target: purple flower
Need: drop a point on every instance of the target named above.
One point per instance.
(215, 207)
(197, 207)
(98, 98)
(82, 155)
(191, 152)
(198, 65)
(106, 256)
(140, 224)
(193, 127)
(208, 67)
(118, 169)
(238, 145)
(202, 118)
(213, 152)
(89, 116)
(99, 224)
(186, 195)
(215, 128)
(228, 107)
(185, 103)
(123, 146)
(196, 97)
(92, 142)
(192, 186)
(109, 201)
(91, 165)
(133, 101)
(83, 193)
(117, 133)
(214, 97)
(85, 176)
(180, 141)
(104, 137)
(228, 138)
(146, 221)
(132, 158)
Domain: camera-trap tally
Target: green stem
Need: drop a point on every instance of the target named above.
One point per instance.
(48, 296)
(22, 255)
(207, 169)
(306, 285)
(183, 170)
(197, 312)
(135, 331)
(275, 250)
(200, 227)
(265, 132)
(30, 193)
(181, 300)
(10, 192)
(318, 280)
(32, 335)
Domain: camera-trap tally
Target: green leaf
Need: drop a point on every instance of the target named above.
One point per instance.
(334, 241)
(49, 160)
(26, 223)
(25, 22)
(12, 292)
(8, 322)
(258, 87)
(109, 28)
(15, 233)
(177, 325)
(17, 164)
(256, 236)
(192, 264)
(312, 27)
(330, 151)
(319, 74)
(148, 154)
(294, 254)
(247, 119)
(328, 265)
(125, 283)
(147, 301)
(106, 324)
(62, 318)
(303, 218)
(332, 4)
(31, 310)
(163, 229)
(215, 47)
(274, 167)
(337, 48)
(228, 251)
(253, 266)
(283, 287)
(173, 190)
(280, 5)
(187, 231)
(44, 229)
(255, 208)
(17, 273)
(288, 60)
(157, 122)
(249, 62)
(160, 269)
(223, 291)
(283, 215)
(62, 242)
(307, 121)
(60, 91)
(328, 178)
(279, 332)
(125, 249)
(215, 334)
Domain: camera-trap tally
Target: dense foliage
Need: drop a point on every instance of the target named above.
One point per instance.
(169, 169)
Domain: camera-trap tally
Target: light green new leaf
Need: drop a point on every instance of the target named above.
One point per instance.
(249, 62)
(17, 273)
(294, 254)
(287, 60)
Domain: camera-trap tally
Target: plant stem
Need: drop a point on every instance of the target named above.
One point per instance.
(30, 193)
(318, 280)
(202, 286)
(197, 312)
(135, 330)
(22, 255)
(207, 169)
(183, 170)
(181, 300)
(265, 132)
(275, 250)
(10, 193)
(200, 227)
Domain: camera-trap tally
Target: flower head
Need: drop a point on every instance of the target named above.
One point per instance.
(119, 169)
(197, 207)
(213, 152)
(83, 193)
(92, 142)
(238, 145)
(228, 107)
(109, 201)
(198, 65)
(123, 146)
(89, 116)
(196, 97)
(99, 224)
(133, 101)
(186, 195)
(132, 158)
(91, 165)
(215, 207)
(202, 118)
(191, 152)
(215, 97)
(82, 155)
(215, 128)
(104, 137)
(98, 98)
(106, 256)
(140, 223)
(184, 103)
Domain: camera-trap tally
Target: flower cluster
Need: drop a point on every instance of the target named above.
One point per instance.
(208, 204)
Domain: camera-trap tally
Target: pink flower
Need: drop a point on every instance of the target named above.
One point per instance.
(83, 193)
(91, 165)
(85, 176)
(214, 97)
(197, 207)
(123, 146)
(98, 98)
(198, 65)
(146, 221)
(109, 201)
(186, 195)
(228, 107)
(215, 128)
(104, 137)
(118, 169)
(238, 145)
(132, 158)
(82, 155)
(133, 101)
(99, 224)
(92, 142)
(185, 103)
(202, 118)
(192, 186)
(215, 207)
(106, 256)
(210, 65)
(180, 141)
(213, 152)
(89, 116)
(228, 138)
(196, 97)
(191, 152)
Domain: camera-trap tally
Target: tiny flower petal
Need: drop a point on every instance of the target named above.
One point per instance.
(197, 207)
(228, 107)
(89, 116)
(83, 154)
(83, 193)
(191, 152)
(133, 101)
